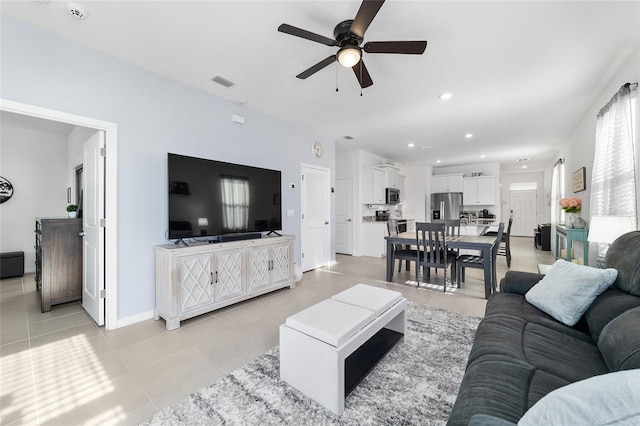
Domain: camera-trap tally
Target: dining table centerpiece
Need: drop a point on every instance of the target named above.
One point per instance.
(571, 206)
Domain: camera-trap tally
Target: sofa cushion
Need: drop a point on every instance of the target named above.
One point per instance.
(624, 256)
(516, 305)
(568, 289)
(619, 342)
(602, 400)
(607, 306)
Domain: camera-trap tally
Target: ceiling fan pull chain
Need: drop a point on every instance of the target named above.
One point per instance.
(337, 77)
(360, 77)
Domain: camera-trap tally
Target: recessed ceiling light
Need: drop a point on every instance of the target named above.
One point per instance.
(411, 145)
(438, 161)
(426, 147)
(482, 156)
(524, 167)
(468, 135)
(445, 96)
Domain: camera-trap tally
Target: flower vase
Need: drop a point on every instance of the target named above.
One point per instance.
(571, 218)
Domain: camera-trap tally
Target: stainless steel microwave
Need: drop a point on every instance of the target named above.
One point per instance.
(392, 196)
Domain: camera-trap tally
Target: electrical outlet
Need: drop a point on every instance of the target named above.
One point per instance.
(289, 213)
(292, 186)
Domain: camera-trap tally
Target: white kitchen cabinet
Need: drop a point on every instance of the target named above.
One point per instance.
(202, 277)
(372, 185)
(446, 183)
(373, 242)
(479, 191)
(401, 185)
(392, 176)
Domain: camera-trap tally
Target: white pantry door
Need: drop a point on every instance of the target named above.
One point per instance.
(315, 240)
(344, 216)
(93, 232)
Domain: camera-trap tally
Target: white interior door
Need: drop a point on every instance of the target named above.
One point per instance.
(93, 231)
(344, 216)
(524, 205)
(315, 238)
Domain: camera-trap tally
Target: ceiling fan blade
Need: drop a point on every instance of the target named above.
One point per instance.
(366, 13)
(317, 67)
(299, 32)
(405, 47)
(363, 78)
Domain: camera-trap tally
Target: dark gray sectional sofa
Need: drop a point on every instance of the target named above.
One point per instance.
(520, 354)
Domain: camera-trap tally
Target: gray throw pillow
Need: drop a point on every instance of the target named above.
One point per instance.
(568, 289)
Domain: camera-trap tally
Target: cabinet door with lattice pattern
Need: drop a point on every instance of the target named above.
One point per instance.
(196, 280)
(280, 263)
(228, 274)
(259, 268)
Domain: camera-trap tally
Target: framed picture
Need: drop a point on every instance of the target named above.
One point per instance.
(580, 179)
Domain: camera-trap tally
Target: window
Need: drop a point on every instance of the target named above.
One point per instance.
(613, 181)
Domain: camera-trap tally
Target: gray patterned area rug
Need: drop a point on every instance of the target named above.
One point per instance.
(416, 383)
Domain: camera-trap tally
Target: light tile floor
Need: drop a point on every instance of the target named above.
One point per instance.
(60, 368)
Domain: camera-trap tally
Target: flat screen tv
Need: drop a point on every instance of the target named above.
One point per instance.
(212, 198)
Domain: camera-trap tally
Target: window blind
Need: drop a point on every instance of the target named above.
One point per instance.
(613, 179)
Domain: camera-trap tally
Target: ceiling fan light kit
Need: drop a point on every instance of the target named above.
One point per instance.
(348, 56)
(348, 36)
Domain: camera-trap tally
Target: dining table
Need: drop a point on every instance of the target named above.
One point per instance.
(480, 243)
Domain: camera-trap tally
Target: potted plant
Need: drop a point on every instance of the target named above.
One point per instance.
(72, 210)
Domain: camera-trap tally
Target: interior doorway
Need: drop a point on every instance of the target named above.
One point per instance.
(108, 249)
(315, 233)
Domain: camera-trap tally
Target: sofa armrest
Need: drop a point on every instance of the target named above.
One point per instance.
(519, 282)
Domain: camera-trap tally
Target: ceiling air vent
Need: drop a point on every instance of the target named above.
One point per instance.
(348, 137)
(223, 81)
(76, 10)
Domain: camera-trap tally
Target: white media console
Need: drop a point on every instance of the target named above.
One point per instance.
(203, 277)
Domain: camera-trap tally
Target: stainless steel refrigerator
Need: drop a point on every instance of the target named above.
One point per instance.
(447, 205)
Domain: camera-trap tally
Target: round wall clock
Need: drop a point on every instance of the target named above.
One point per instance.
(317, 149)
(6, 190)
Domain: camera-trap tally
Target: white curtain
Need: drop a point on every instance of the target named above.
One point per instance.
(557, 192)
(235, 203)
(613, 180)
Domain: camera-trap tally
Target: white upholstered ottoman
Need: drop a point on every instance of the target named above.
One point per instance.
(328, 348)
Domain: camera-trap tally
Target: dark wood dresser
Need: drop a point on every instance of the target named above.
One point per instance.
(58, 261)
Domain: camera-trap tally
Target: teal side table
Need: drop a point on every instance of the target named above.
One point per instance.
(571, 235)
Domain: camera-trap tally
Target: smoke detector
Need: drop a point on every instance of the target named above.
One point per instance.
(76, 10)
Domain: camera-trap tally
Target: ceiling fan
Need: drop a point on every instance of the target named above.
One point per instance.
(349, 35)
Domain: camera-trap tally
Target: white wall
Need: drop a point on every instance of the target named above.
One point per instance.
(77, 137)
(155, 115)
(35, 162)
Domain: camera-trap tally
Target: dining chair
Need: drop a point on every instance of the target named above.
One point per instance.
(432, 253)
(505, 243)
(400, 251)
(477, 261)
(452, 230)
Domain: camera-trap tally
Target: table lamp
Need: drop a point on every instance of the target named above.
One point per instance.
(605, 229)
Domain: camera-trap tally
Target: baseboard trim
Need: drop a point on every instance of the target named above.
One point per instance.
(133, 319)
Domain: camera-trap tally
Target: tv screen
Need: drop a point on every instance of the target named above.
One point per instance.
(210, 198)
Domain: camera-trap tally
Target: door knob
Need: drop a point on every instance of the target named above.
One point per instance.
(348, 220)
(81, 234)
